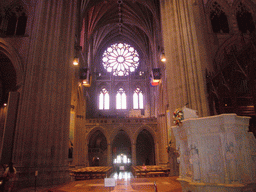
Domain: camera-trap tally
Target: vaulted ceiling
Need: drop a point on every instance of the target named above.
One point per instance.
(136, 22)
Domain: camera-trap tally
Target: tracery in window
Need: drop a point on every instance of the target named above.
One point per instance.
(138, 99)
(104, 99)
(121, 99)
(219, 19)
(244, 19)
(15, 21)
(120, 59)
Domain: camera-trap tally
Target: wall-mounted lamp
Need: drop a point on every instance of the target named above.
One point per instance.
(155, 77)
(85, 76)
(77, 52)
(5, 104)
(76, 61)
(163, 58)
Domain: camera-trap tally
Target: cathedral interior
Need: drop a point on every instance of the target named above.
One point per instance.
(86, 82)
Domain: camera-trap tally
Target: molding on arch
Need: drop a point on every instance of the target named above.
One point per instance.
(115, 132)
(224, 5)
(141, 128)
(251, 7)
(14, 57)
(227, 45)
(93, 130)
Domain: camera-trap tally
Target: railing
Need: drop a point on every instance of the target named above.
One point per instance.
(121, 120)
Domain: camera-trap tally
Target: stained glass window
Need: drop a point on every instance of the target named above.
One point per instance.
(104, 99)
(120, 59)
(137, 99)
(121, 99)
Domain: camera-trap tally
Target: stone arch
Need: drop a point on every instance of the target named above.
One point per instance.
(121, 145)
(223, 16)
(115, 133)
(250, 6)
(248, 17)
(97, 128)
(137, 132)
(97, 148)
(15, 59)
(236, 41)
(145, 148)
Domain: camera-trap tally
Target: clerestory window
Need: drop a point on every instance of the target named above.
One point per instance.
(138, 99)
(120, 59)
(244, 19)
(121, 99)
(104, 99)
(218, 19)
(14, 21)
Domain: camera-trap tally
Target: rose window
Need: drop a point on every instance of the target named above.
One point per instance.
(120, 59)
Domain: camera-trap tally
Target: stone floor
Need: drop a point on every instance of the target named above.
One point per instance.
(123, 182)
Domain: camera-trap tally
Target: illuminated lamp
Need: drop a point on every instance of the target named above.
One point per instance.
(84, 75)
(75, 61)
(154, 83)
(155, 77)
(163, 58)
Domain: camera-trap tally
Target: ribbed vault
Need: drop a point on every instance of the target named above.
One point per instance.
(136, 22)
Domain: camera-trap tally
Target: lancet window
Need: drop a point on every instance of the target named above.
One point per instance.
(104, 99)
(138, 99)
(121, 99)
(244, 19)
(13, 21)
(219, 19)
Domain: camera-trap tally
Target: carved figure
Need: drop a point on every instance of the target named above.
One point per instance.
(195, 161)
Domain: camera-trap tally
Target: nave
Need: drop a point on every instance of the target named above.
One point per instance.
(124, 182)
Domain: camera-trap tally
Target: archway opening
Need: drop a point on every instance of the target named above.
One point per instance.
(145, 148)
(121, 150)
(8, 78)
(97, 149)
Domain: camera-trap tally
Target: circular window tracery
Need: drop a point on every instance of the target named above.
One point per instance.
(120, 59)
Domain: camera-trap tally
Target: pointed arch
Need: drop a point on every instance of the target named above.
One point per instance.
(14, 57)
(218, 14)
(97, 147)
(244, 16)
(148, 128)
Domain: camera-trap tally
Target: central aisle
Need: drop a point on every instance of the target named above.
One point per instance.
(124, 182)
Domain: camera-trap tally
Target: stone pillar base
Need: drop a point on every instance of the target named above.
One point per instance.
(190, 186)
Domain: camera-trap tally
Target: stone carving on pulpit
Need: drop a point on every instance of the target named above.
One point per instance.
(195, 162)
(231, 163)
(188, 164)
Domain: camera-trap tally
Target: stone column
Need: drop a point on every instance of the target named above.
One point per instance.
(109, 155)
(41, 142)
(184, 65)
(134, 154)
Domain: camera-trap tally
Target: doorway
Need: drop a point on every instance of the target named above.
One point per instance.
(121, 152)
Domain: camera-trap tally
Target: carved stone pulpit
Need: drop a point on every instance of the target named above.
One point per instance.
(217, 154)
